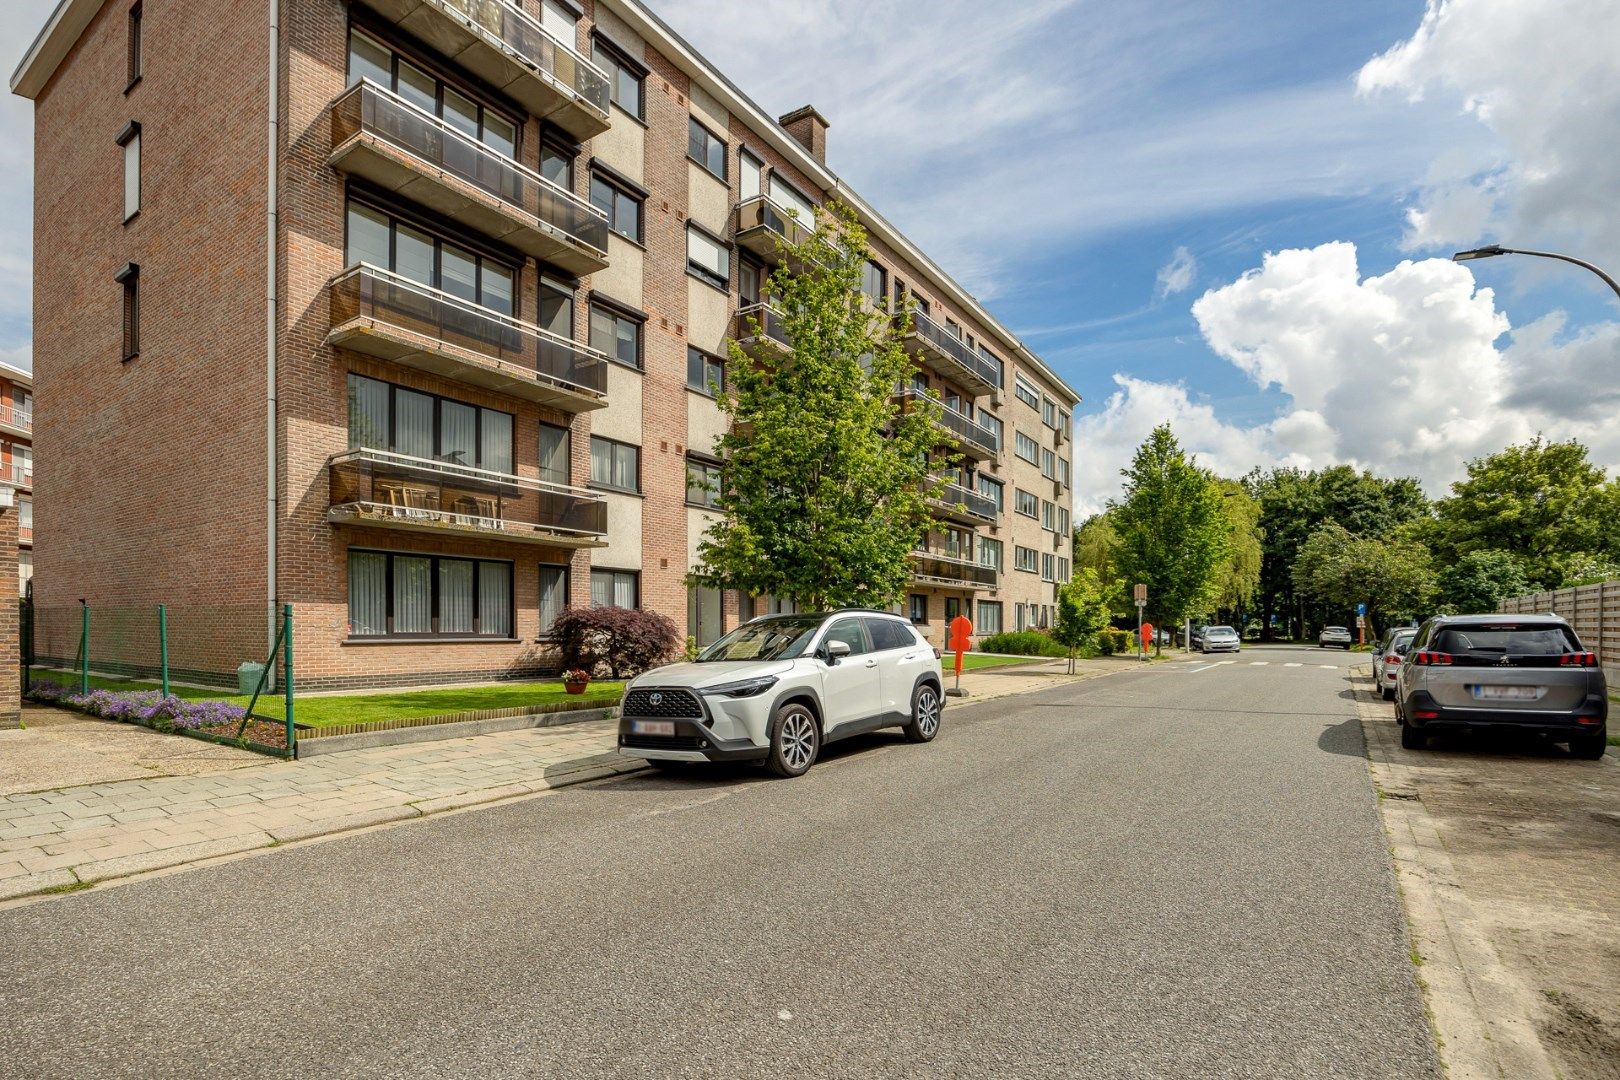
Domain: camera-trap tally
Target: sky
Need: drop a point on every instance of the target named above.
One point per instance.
(1232, 215)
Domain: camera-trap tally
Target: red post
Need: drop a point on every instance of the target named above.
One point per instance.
(960, 641)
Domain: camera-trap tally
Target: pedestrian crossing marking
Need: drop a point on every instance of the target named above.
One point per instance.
(1258, 663)
(1293, 665)
(1328, 667)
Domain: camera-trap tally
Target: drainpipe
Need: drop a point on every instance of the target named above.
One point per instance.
(271, 305)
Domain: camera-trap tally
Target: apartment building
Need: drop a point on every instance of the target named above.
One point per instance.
(17, 460)
(413, 327)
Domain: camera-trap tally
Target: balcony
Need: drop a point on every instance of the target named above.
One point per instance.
(503, 45)
(770, 340)
(763, 227)
(383, 138)
(25, 535)
(394, 318)
(945, 353)
(18, 474)
(957, 503)
(15, 421)
(935, 569)
(973, 440)
(385, 490)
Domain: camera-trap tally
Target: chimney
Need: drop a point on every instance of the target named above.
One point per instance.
(809, 128)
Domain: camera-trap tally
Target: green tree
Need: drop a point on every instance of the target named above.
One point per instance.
(826, 479)
(1082, 610)
(1543, 501)
(1392, 576)
(1238, 577)
(1480, 580)
(1173, 532)
(1096, 548)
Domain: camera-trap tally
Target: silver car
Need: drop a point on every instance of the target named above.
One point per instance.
(1335, 637)
(1387, 660)
(1220, 639)
(1502, 672)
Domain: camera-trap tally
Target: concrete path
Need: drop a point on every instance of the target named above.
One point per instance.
(220, 800)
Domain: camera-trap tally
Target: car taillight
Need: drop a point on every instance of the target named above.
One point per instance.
(1578, 659)
(1425, 658)
(1392, 659)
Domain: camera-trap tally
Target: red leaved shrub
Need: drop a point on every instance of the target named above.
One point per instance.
(625, 641)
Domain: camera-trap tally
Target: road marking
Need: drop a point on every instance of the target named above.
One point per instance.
(1328, 667)
(1206, 667)
(1293, 665)
(1258, 663)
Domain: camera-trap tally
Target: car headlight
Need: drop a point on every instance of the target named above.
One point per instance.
(741, 688)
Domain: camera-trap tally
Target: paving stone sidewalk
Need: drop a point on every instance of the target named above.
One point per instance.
(76, 835)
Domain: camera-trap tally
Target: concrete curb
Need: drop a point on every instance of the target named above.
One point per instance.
(460, 729)
(1482, 1013)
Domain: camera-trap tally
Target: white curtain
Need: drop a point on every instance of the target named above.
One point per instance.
(413, 423)
(455, 596)
(495, 599)
(368, 594)
(413, 595)
(458, 434)
(553, 595)
(496, 454)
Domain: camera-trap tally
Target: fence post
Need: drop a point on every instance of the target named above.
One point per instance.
(287, 675)
(163, 645)
(84, 647)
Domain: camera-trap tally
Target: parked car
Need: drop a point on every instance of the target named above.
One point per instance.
(1495, 672)
(1197, 636)
(1335, 637)
(778, 688)
(1220, 639)
(1387, 660)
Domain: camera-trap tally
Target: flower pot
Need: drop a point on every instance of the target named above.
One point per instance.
(575, 687)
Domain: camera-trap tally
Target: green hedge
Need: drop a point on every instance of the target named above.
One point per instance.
(1112, 641)
(1022, 643)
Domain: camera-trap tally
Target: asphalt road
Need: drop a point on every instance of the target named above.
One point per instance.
(1178, 872)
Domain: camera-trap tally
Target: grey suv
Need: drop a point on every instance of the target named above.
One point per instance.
(1514, 672)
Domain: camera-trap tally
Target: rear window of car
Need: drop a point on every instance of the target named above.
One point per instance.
(1220, 631)
(1489, 644)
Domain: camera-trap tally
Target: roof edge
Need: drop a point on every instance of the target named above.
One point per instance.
(51, 46)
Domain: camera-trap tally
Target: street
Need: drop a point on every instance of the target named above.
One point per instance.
(1173, 872)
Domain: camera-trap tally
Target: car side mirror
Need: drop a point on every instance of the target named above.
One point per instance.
(835, 651)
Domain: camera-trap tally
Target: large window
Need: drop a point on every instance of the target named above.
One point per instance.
(624, 77)
(1025, 503)
(994, 425)
(704, 373)
(617, 334)
(553, 595)
(615, 465)
(371, 59)
(621, 205)
(990, 553)
(1026, 392)
(1063, 519)
(557, 163)
(751, 173)
(556, 456)
(988, 617)
(917, 607)
(705, 615)
(875, 283)
(1048, 464)
(130, 140)
(991, 489)
(400, 595)
(1027, 559)
(1048, 411)
(615, 588)
(1063, 471)
(996, 362)
(130, 278)
(707, 259)
(383, 416)
(1026, 448)
(702, 483)
(392, 244)
(706, 148)
(787, 196)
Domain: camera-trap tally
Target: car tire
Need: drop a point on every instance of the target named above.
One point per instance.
(795, 741)
(926, 715)
(1589, 747)
(1387, 693)
(1413, 739)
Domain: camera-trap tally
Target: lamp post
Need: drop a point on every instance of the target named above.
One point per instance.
(1494, 250)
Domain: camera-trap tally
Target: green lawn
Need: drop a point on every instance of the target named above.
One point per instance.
(393, 705)
(983, 660)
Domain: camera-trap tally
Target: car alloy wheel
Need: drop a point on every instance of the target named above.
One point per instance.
(925, 715)
(795, 741)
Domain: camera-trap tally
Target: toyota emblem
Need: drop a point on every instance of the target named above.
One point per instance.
(657, 699)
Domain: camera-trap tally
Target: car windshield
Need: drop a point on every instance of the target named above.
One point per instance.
(764, 639)
(1219, 631)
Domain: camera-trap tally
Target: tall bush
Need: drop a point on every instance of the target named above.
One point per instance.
(625, 641)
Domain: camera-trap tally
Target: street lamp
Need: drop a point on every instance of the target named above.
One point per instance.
(1493, 250)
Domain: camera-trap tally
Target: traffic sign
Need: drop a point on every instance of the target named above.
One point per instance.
(1361, 611)
(1141, 594)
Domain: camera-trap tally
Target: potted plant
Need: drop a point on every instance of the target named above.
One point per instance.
(575, 680)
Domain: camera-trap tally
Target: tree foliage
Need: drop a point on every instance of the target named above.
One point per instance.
(1096, 548)
(1392, 576)
(1237, 579)
(1082, 610)
(1480, 580)
(624, 641)
(827, 480)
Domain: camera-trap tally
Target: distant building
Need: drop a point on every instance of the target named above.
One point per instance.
(17, 459)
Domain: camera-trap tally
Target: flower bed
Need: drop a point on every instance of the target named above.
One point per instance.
(214, 720)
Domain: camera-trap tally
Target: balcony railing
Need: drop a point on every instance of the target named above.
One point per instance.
(764, 226)
(504, 45)
(390, 316)
(418, 150)
(388, 490)
(17, 473)
(973, 439)
(967, 502)
(772, 329)
(950, 355)
(16, 419)
(944, 569)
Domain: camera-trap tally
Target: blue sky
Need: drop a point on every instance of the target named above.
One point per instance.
(1221, 214)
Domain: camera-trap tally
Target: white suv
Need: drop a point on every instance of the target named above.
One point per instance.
(777, 688)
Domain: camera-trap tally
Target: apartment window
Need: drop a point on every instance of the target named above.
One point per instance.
(130, 278)
(917, 607)
(624, 76)
(1025, 503)
(1063, 520)
(988, 617)
(615, 465)
(1048, 412)
(557, 164)
(25, 571)
(556, 456)
(752, 282)
(370, 59)
(1048, 464)
(787, 196)
(1063, 471)
(1026, 448)
(402, 595)
(398, 246)
(617, 334)
(993, 425)
(383, 416)
(1025, 392)
(707, 259)
(991, 489)
(621, 205)
(1048, 515)
(1048, 566)
(1064, 421)
(751, 175)
(958, 544)
(705, 147)
(1027, 559)
(953, 608)
(875, 283)
(1021, 617)
(1001, 368)
(705, 614)
(704, 373)
(702, 483)
(130, 140)
(990, 552)
(1062, 568)
(953, 328)
(25, 514)
(615, 588)
(553, 596)
(134, 30)
(560, 21)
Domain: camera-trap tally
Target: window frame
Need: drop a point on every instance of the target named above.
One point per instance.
(1019, 441)
(434, 598)
(913, 602)
(619, 62)
(694, 613)
(999, 495)
(616, 445)
(129, 141)
(709, 362)
(130, 278)
(1019, 494)
(547, 633)
(1034, 560)
(439, 237)
(133, 59)
(443, 80)
(615, 574)
(695, 128)
(619, 313)
(701, 272)
(981, 606)
(1026, 391)
(709, 501)
(621, 188)
(567, 449)
(439, 401)
(988, 544)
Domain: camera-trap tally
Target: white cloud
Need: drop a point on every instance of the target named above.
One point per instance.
(1176, 276)
(1543, 78)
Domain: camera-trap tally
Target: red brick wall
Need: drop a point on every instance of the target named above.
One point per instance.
(10, 660)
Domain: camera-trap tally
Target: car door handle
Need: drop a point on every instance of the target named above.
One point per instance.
(871, 663)
(908, 656)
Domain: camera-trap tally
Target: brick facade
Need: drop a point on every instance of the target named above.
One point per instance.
(162, 459)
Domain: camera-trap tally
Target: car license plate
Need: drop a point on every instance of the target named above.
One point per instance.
(1507, 693)
(652, 727)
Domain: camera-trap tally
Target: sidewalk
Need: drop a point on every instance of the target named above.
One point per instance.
(72, 836)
